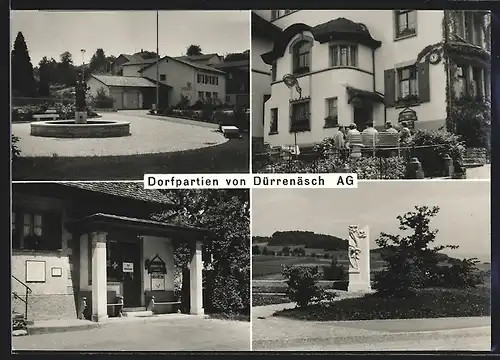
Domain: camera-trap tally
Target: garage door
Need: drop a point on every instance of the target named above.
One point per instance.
(118, 96)
(131, 100)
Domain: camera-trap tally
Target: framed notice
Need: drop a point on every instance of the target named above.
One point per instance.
(157, 282)
(128, 267)
(56, 272)
(35, 271)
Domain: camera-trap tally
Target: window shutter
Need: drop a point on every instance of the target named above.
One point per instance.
(52, 231)
(423, 82)
(390, 87)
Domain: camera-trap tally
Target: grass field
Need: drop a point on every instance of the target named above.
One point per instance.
(267, 267)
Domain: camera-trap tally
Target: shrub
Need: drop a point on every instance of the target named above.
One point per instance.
(437, 144)
(255, 250)
(462, 274)
(334, 272)
(226, 297)
(472, 119)
(183, 103)
(303, 285)
(102, 100)
(16, 152)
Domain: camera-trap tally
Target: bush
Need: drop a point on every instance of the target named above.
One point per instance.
(226, 297)
(303, 285)
(437, 145)
(256, 250)
(472, 118)
(16, 152)
(102, 100)
(334, 272)
(461, 275)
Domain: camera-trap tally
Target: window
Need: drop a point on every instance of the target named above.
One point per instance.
(469, 81)
(407, 82)
(273, 71)
(469, 27)
(36, 231)
(344, 55)
(406, 23)
(273, 129)
(217, 80)
(215, 96)
(163, 77)
(300, 117)
(301, 57)
(331, 118)
(198, 78)
(228, 99)
(208, 95)
(461, 81)
(212, 80)
(201, 95)
(206, 79)
(274, 14)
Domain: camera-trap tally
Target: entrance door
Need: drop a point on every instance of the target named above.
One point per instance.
(362, 115)
(131, 263)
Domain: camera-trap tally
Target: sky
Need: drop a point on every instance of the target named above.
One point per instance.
(463, 219)
(50, 33)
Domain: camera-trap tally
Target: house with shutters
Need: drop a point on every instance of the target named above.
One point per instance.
(93, 251)
(361, 66)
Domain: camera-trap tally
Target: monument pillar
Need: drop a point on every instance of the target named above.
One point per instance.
(359, 259)
(80, 106)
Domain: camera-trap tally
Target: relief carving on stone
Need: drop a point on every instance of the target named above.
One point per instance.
(355, 236)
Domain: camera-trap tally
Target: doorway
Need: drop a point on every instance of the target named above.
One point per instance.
(132, 274)
(362, 115)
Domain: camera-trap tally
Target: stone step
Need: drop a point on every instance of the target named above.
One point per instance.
(143, 313)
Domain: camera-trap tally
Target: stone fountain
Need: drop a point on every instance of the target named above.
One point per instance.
(81, 127)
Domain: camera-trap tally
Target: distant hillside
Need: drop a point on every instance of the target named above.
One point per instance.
(308, 239)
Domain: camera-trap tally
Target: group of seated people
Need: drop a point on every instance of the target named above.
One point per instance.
(349, 136)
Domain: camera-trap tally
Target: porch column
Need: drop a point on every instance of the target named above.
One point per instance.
(99, 278)
(196, 286)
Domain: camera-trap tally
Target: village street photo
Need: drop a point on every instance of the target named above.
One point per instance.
(389, 266)
(388, 94)
(103, 102)
(105, 266)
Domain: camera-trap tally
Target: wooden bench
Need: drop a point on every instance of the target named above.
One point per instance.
(53, 116)
(115, 304)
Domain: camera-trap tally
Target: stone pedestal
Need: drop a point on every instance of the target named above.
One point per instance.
(80, 117)
(359, 259)
(99, 277)
(195, 281)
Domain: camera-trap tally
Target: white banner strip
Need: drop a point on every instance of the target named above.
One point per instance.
(246, 181)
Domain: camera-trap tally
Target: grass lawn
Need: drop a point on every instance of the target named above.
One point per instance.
(230, 157)
(269, 299)
(234, 317)
(428, 303)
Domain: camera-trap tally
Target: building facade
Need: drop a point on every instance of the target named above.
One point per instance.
(263, 35)
(361, 66)
(237, 82)
(84, 249)
(192, 81)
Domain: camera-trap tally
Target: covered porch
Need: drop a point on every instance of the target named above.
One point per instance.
(128, 263)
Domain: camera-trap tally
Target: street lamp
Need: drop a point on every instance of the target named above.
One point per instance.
(292, 82)
(157, 67)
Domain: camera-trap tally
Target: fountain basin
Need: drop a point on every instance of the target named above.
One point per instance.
(70, 129)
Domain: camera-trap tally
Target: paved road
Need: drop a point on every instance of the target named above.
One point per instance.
(180, 334)
(277, 333)
(148, 135)
(481, 172)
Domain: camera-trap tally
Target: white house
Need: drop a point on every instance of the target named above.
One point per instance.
(191, 80)
(360, 66)
(263, 34)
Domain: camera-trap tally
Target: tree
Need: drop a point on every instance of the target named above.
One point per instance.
(237, 56)
(226, 214)
(99, 63)
(66, 70)
(193, 50)
(286, 251)
(410, 263)
(255, 250)
(148, 54)
(23, 80)
(44, 74)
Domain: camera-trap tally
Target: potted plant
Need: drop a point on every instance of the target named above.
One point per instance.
(410, 99)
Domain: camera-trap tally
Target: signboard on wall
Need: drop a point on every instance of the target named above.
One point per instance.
(128, 267)
(157, 282)
(157, 265)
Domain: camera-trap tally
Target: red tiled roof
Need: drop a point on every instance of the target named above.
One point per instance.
(125, 81)
(131, 190)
